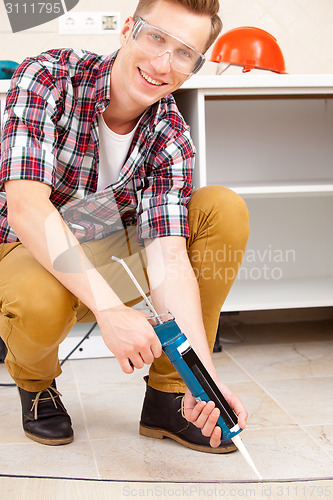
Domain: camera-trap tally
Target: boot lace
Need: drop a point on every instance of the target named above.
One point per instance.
(39, 399)
(181, 409)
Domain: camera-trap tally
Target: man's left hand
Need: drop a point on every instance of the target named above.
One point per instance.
(205, 415)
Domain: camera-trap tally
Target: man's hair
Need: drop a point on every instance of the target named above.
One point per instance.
(208, 7)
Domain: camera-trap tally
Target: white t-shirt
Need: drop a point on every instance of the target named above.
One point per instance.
(113, 150)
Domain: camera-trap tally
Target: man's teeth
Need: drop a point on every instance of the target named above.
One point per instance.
(150, 80)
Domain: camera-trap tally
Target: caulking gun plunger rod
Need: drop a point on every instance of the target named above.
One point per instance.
(136, 283)
(192, 371)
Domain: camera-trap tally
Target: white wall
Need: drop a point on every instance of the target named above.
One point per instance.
(301, 27)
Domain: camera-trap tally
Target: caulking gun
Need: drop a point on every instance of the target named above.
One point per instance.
(192, 371)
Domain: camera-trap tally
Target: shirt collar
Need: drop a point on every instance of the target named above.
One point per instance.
(103, 82)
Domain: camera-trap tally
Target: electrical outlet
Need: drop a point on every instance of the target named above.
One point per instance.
(93, 23)
(69, 24)
(111, 22)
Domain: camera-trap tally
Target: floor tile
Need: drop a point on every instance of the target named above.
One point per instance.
(32, 459)
(263, 410)
(73, 404)
(308, 400)
(113, 412)
(287, 453)
(10, 417)
(66, 381)
(285, 360)
(323, 435)
(93, 374)
(227, 369)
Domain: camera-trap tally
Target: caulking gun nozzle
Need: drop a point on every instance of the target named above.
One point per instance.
(240, 445)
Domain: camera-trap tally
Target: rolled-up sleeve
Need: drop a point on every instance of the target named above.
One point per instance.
(29, 136)
(162, 210)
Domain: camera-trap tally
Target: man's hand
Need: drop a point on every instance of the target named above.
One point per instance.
(204, 415)
(128, 334)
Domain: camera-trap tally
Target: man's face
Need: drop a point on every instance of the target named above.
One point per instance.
(145, 79)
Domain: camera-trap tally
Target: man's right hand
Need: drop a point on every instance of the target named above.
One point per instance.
(129, 336)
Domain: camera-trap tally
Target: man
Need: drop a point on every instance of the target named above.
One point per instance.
(86, 138)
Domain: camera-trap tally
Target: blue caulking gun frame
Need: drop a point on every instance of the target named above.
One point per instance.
(194, 374)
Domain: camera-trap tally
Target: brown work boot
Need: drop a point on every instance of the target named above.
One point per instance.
(162, 416)
(44, 417)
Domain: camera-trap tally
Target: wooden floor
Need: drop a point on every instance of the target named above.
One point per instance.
(64, 489)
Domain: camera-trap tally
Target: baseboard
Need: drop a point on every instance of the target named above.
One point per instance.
(283, 315)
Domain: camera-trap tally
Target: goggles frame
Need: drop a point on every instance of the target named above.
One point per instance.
(141, 23)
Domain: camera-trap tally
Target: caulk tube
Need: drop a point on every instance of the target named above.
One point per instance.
(195, 376)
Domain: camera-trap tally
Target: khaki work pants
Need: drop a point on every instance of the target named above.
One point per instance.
(37, 311)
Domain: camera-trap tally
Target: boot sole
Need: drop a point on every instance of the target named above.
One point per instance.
(157, 433)
(50, 442)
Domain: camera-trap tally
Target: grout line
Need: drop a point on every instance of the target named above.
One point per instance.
(86, 424)
(281, 406)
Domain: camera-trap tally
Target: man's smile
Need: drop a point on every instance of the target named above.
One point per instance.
(149, 79)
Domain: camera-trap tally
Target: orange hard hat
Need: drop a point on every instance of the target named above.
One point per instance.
(249, 47)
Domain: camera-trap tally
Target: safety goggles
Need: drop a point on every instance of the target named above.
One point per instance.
(156, 42)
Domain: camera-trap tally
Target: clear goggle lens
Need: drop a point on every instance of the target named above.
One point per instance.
(156, 42)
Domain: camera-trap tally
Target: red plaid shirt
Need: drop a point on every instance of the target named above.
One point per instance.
(50, 134)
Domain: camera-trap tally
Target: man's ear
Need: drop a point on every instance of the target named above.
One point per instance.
(126, 30)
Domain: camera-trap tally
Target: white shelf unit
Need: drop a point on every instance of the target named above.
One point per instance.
(270, 138)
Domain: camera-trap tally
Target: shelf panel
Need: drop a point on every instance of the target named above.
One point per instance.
(265, 83)
(280, 294)
(270, 144)
(281, 189)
